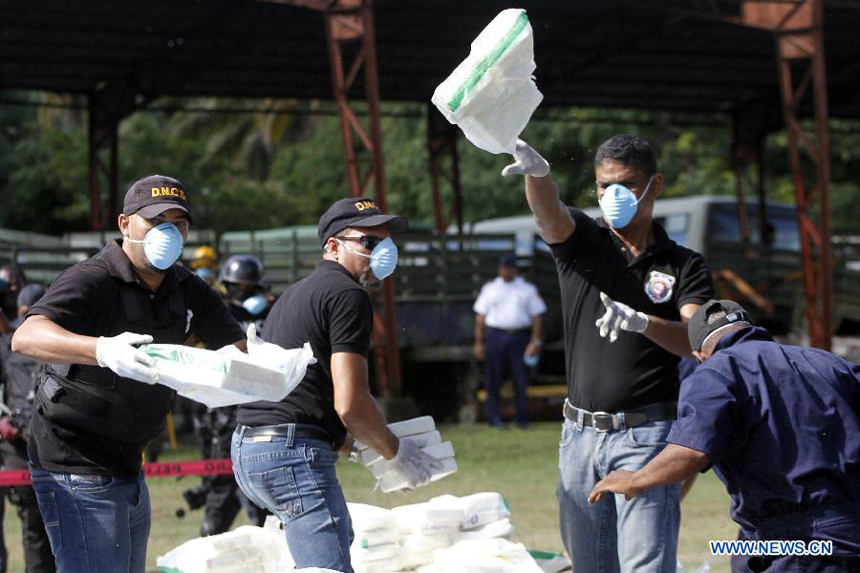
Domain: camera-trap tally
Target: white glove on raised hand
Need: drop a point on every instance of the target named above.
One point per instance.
(119, 353)
(413, 464)
(528, 162)
(619, 316)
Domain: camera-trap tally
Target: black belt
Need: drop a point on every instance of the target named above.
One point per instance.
(511, 330)
(604, 421)
(286, 430)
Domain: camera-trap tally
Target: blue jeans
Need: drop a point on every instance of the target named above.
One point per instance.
(616, 534)
(295, 479)
(95, 523)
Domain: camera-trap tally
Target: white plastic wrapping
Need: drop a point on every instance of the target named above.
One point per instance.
(491, 95)
(229, 376)
(247, 549)
(486, 556)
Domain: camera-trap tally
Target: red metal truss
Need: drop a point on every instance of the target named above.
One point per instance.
(442, 146)
(349, 30)
(799, 31)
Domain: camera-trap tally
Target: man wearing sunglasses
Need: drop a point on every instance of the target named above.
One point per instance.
(284, 453)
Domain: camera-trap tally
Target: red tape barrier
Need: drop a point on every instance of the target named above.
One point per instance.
(208, 467)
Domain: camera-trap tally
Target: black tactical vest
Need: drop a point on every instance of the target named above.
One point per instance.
(97, 400)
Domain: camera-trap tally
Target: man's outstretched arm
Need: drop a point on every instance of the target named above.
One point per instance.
(675, 463)
(553, 219)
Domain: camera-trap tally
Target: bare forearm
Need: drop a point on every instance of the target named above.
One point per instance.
(42, 339)
(356, 407)
(675, 463)
(551, 216)
(479, 328)
(366, 423)
(537, 326)
(669, 334)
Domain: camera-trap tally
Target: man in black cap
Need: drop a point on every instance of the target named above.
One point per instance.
(508, 315)
(284, 453)
(780, 426)
(97, 405)
(18, 375)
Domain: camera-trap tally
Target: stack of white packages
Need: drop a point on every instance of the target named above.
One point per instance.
(423, 432)
(486, 515)
(491, 95)
(376, 547)
(428, 527)
(247, 549)
(484, 556)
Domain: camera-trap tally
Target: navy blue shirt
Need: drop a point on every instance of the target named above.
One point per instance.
(780, 423)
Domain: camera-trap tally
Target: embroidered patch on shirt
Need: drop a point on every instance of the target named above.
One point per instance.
(659, 286)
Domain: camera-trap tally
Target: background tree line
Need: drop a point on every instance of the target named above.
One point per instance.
(280, 163)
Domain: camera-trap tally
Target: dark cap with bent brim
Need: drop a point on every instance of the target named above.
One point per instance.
(712, 316)
(356, 212)
(153, 195)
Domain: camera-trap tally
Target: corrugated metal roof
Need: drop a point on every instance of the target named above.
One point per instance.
(647, 54)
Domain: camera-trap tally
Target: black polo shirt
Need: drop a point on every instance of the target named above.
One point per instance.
(633, 371)
(332, 311)
(84, 299)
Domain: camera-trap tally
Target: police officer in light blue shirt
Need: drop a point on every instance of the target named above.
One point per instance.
(780, 425)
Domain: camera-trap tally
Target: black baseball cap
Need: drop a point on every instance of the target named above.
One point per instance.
(712, 316)
(153, 195)
(356, 212)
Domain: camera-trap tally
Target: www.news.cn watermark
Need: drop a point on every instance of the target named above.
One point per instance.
(771, 547)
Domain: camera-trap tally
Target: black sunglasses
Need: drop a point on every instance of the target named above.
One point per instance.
(369, 242)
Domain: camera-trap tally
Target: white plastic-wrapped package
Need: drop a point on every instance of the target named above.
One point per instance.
(555, 562)
(425, 519)
(228, 376)
(366, 517)
(486, 556)
(502, 528)
(491, 95)
(404, 428)
(393, 481)
(247, 549)
(439, 451)
(366, 555)
(479, 508)
(392, 565)
(369, 456)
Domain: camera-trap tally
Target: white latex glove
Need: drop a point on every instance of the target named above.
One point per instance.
(119, 353)
(413, 464)
(528, 162)
(619, 316)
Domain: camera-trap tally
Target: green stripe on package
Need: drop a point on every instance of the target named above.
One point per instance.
(481, 67)
(185, 356)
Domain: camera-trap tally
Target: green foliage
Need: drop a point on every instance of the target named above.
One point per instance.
(262, 170)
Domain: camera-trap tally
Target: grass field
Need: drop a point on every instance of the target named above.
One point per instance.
(520, 464)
